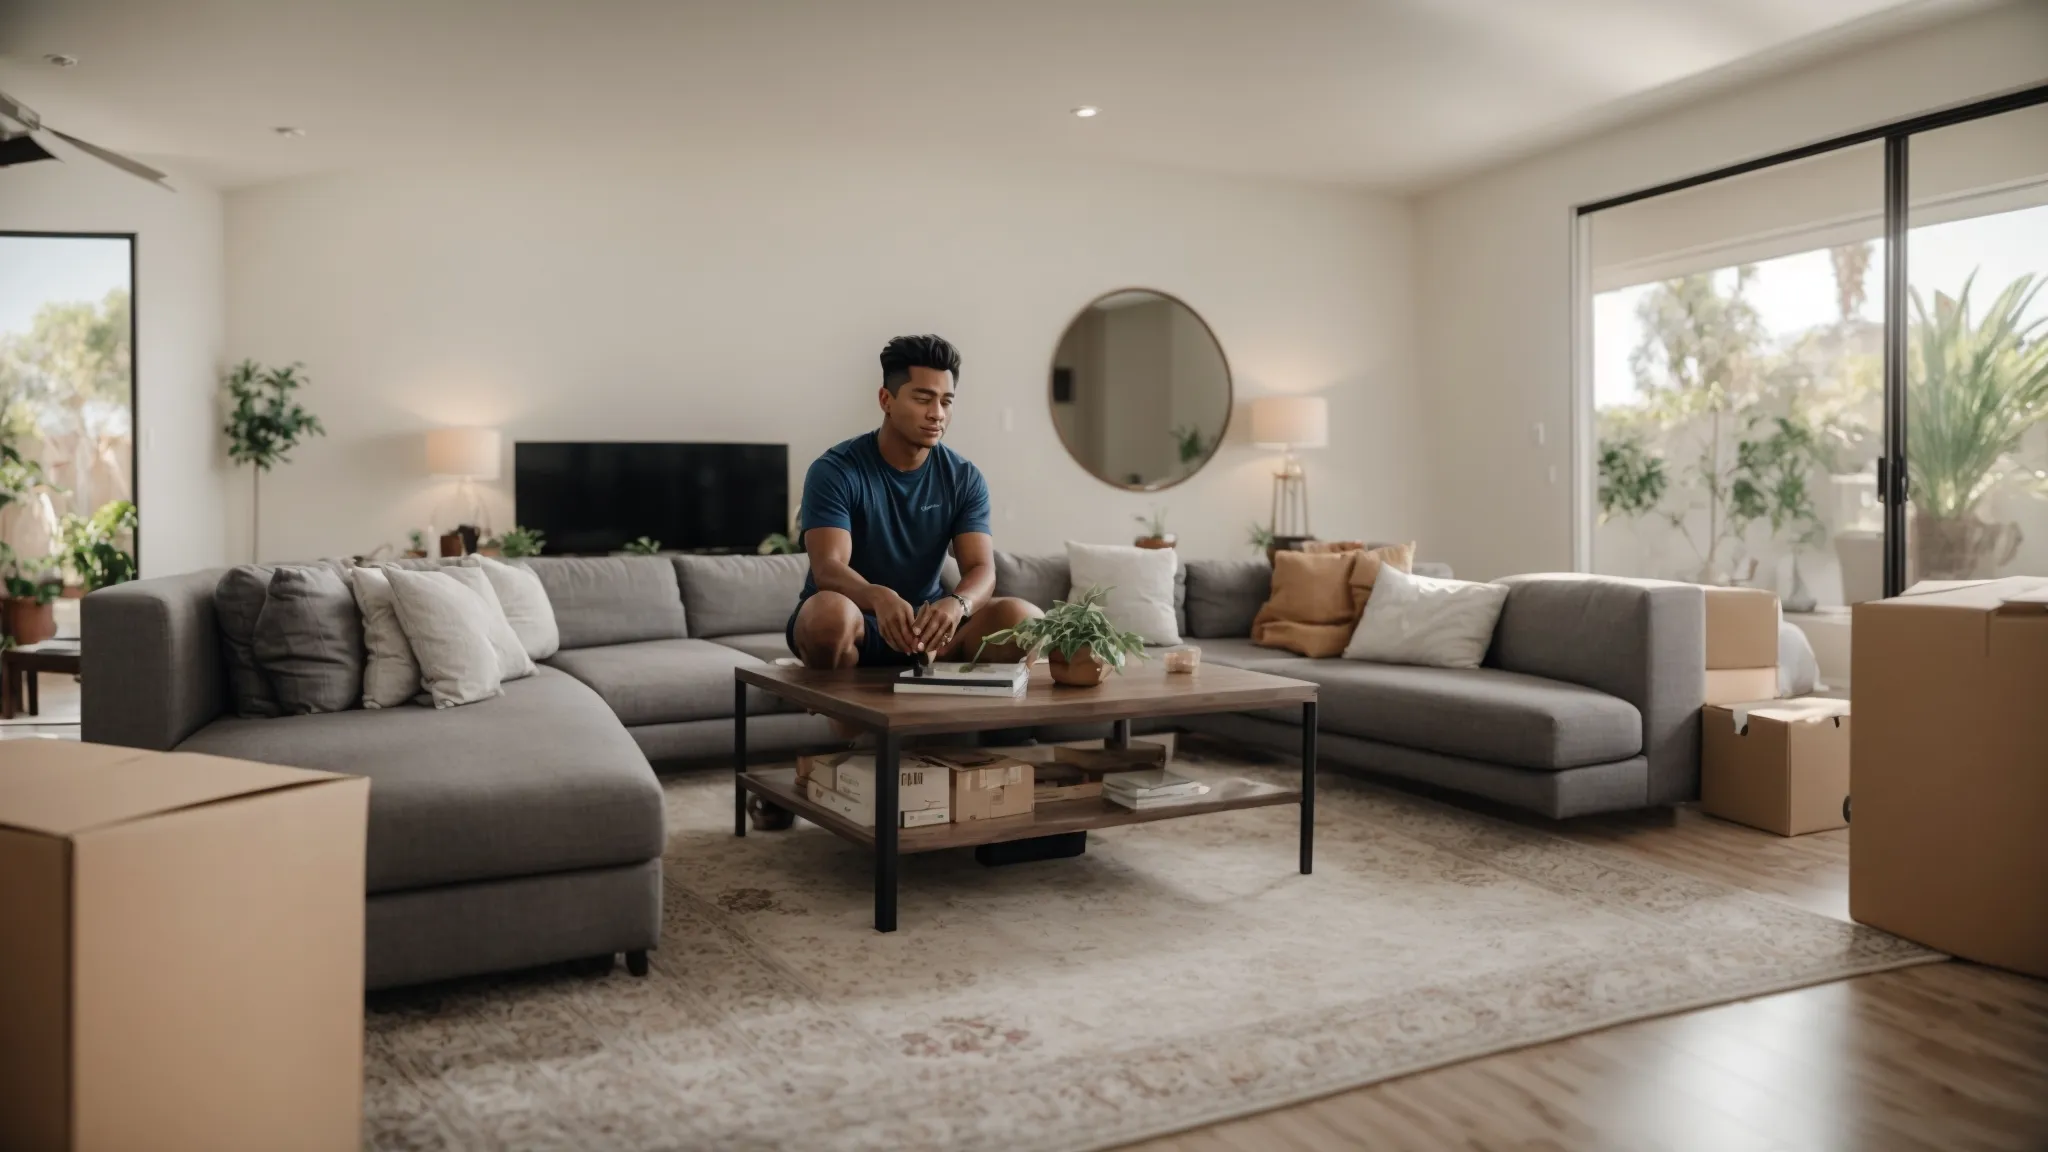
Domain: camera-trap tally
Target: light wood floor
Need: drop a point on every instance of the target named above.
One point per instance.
(1943, 1057)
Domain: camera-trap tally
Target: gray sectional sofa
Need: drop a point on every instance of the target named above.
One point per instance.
(528, 829)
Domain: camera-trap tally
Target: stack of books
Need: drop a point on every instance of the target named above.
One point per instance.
(970, 679)
(1151, 788)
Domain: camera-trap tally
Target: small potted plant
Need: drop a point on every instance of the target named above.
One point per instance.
(31, 586)
(1156, 535)
(1080, 644)
(644, 546)
(519, 542)
(92, 546)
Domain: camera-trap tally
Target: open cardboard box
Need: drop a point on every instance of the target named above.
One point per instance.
(1949, 764)
(1742, 645)
(1781, 765)
(181, 951)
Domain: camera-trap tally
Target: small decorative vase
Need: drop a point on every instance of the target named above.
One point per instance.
(1085, 670)
(1165, 541)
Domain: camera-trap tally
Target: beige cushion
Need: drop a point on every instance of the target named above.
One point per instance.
(449, 627)
(525, 602)
(513, 662)
(1317, 597)
(390, 674)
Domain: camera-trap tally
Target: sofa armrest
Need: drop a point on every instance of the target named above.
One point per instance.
(1641, 640)
(150, 662)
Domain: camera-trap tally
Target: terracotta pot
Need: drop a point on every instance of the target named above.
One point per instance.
(1165, 541)
(29, 622)
(74, 591)
(1085, 670)
(1960, 548)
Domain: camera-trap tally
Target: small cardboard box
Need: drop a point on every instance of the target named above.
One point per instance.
(181, 951)
(1742, 628)
(824, 769)
(1742, 645)
(923, 790)
(1782, 766)
(1053, 781)
(1949, 844)
(987, 786)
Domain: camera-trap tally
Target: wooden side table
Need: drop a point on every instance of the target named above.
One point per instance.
(19, 668)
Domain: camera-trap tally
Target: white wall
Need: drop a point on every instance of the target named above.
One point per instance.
(745, 298)
(180, 329)
(1494, 267)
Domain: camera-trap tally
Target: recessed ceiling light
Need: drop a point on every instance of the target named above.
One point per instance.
(61, 60)
(290, 133)
(1087, 111)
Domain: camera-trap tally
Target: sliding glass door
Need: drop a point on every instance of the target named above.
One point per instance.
(1976, 411)
(1825, 373)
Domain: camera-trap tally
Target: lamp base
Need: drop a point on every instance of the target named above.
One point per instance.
(1290, 503)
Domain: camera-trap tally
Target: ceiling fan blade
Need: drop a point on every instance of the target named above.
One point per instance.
(136, 167)
(21, 149)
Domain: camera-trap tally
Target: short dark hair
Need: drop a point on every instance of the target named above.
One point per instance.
(903, 353)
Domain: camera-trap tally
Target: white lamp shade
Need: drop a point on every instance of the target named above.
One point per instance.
(1290, 422)
(470, 452)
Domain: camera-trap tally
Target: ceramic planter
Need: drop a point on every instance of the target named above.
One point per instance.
(1165, 541)
(29, 622)
(1085, 670)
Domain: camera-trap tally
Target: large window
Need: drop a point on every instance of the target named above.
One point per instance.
(1745, 400)
(67, 412)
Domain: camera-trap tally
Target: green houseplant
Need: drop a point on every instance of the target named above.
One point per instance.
(31, 585)
(264, 424)
(1080, 643)
(1156, 535)
(644, 546)
(92, 546)
(1974, 390)
(518, 542)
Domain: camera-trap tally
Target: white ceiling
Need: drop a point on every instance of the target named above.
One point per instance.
(1385, 93)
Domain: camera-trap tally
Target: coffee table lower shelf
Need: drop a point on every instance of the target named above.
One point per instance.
(778, 786)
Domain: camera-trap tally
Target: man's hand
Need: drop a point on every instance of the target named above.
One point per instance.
(937, 624)
(896, 619)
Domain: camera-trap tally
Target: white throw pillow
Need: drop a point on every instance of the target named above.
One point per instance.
(513, 662)
(390, 674)
(1140, 583)
(525, 601)
(449, 628)
(1422, 620)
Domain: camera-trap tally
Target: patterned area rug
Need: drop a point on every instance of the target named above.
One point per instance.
(1178, 974)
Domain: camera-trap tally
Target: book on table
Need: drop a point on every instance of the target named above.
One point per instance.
(969, 679)
(1150, 788)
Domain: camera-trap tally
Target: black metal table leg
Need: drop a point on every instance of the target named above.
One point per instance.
(739, 757)
(1308, 787)
(1119, 734)
(886, 819)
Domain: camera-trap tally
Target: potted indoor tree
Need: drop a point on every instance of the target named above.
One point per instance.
(1974, 391)
(1080, 643)
(264, 424)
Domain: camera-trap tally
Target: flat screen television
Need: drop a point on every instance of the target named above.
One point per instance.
(596, 497)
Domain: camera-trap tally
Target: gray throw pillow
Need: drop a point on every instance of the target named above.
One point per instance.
(309, 641)
(237, 601)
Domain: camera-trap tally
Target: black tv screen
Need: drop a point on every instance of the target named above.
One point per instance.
(597, 497)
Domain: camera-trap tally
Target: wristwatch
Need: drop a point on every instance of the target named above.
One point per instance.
(966, 609)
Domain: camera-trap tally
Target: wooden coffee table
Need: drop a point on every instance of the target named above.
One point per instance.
(20, 667)
(868, 698)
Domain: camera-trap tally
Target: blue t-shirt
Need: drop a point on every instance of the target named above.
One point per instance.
(901, 522)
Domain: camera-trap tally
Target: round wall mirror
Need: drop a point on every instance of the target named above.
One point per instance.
(1140, 390)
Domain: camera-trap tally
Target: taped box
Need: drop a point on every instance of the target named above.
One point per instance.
(922, 790)
(1742, 645)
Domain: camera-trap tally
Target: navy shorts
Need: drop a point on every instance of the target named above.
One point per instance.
(874, 651)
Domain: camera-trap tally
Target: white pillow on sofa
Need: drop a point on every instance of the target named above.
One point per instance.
(1422, 620)
(513, 662)
(449, 627)
(390, 674)
(1140, 583)
(526, 605)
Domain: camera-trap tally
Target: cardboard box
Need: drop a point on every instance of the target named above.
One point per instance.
(923, 790)
(1742, 628)
(1782, 766)
(181, 951)
(1949, 844)
(1741, 685)
(991, 787)
(1054, 781)
(823, 769)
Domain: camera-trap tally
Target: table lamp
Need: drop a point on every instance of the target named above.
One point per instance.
(1290, 423)
(468, 454)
